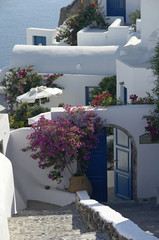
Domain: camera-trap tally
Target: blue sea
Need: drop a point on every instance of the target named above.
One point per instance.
(17, 15)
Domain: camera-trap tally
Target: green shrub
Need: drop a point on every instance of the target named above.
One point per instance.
(23, 112)
(108, 84)
(134, 15)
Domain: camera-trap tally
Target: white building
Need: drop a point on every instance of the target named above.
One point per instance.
(117, 51)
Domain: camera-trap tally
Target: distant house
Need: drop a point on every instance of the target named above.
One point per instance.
(120, 7)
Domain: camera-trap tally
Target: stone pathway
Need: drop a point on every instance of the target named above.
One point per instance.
(144, 213)
(42, 221)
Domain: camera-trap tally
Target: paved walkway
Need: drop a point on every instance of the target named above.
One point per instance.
(43, 221)
(49, 222)
(144, 213)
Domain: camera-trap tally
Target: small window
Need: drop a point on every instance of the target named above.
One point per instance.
(89, 94)
(39, 40)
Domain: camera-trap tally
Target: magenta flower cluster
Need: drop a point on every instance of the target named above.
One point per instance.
(58, 143)
(139, 100)
(152, 127)
(152, 121)
(85, 17)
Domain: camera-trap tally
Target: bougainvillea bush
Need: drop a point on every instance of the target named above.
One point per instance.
(79, 21)
(152, 120)
(19, 81)
(101, 99)
(68, 138)
(141, 100)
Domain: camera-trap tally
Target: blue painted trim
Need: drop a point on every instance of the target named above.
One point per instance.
(39, 40)
(125, 95)
(122, 177)
(124, 171)
(121, 144)
(87, 98)
(113, 8)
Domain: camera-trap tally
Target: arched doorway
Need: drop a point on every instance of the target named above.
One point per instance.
(116, 8)
(125, 183)
(125, 164)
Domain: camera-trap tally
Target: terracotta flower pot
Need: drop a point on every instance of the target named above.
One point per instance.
(79, 183)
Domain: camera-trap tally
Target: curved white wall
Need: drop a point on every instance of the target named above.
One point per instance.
(7, 198)
(66, 59)
(30, 180)
(4, 131)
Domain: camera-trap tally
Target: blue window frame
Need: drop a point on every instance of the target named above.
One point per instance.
(89, 94)
(39, 40)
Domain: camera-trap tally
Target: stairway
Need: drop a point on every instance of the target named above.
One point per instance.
(57, 223)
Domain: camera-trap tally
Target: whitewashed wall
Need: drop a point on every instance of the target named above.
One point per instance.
(137, 80)
(50, 35)
(7, 199)
(150, 19)
(130, 118)
(115, 35)
(4, 131)
(91, 60)
(74, 89)
(31, 181)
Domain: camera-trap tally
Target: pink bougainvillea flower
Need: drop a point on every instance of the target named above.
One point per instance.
(60, 142)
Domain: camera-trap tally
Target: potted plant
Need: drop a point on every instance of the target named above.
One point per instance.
(69, 138)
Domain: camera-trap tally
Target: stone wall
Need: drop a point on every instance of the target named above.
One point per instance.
(95, 221)
(71, 9)
(102, 218)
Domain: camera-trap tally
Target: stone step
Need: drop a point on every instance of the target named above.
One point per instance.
(47, 225)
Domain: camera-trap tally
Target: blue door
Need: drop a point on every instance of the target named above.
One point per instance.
(123, 94)
(97, 170)
(123, 166)
(116, 8)
(39, 40)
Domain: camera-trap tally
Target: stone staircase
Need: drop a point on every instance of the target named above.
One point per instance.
(51, 223)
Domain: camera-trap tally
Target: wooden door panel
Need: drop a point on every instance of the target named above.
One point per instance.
(97, 170)
(123, 165)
